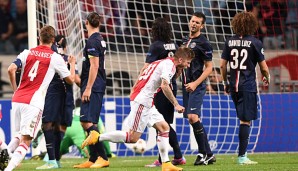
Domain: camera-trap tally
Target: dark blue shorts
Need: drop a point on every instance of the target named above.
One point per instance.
(90, 111)
(53, 108)
(193, 101)
(164, 106)
(66, 117)
(246, 105)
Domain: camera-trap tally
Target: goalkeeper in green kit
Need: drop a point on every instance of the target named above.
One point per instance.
(75, 135)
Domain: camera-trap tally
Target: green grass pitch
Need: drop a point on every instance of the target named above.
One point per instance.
(267, 161)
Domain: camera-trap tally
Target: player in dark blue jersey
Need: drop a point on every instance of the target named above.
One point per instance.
(57, 114)
(194, 87)
(162, 47)
(243, 52)
(53, 108)
(93, 85)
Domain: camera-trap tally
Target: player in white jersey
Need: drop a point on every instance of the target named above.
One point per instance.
(143, 113)
(38, 66)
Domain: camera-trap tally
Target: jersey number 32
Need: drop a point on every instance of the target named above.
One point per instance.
(238, 59)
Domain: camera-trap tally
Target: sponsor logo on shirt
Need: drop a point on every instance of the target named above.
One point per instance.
(90, 50)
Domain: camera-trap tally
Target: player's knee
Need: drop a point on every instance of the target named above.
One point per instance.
(165, 128)
(86, 125)
(47, 126)
(193, 118)
(26, 139)
(133, 139)
(245, 122)
(162, 126)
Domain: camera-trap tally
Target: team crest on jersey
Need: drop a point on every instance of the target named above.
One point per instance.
(192, 45)
(262, 51)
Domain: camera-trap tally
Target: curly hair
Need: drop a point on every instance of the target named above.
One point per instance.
(245, 23)
(61, 43)
(161, 30)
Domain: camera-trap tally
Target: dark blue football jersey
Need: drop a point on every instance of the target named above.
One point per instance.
(57, 85)
(161, 50)
(69, 88)
(96, 47)
(243, 54)
(203, 52)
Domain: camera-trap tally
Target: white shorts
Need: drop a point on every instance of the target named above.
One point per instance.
(141, 116)
(27, 118)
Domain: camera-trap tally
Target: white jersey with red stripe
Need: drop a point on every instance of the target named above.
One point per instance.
(150, 80)
(38, 68)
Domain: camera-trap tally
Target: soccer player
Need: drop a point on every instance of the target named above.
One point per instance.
(243, 51)
(75, 135)
(162, 47)
(38, 66)
(143, 112)
(93, 85)
(194, 87)
(57, 113)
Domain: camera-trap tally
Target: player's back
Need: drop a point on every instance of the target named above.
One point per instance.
(243, 53)
(37, 72)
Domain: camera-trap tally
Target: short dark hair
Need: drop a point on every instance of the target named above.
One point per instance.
(47, 34)
(94, 19)
(161, 30)
(58, 38)
(200, 15)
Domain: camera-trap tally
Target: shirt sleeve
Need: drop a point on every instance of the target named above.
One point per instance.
(168, 70)
(60, 66)
(95, 47)
(259, 51)
(206, 51)
(21, 59)
(153, 53)
(225, 53)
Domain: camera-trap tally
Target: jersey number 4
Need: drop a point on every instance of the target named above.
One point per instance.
(33, 71)
(238, 58)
